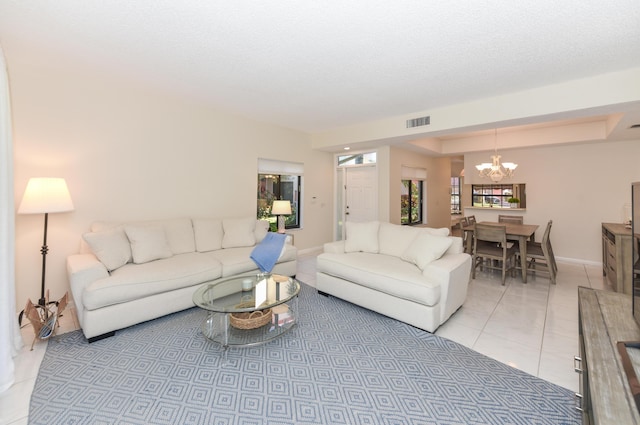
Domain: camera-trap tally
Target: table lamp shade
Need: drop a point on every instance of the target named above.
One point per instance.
(281, 208)
(46, 195)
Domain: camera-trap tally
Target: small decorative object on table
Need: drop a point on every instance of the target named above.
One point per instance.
(247, 284)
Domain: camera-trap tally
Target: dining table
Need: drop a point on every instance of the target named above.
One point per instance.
(515, 232)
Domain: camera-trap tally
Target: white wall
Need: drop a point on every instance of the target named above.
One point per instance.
(577, 186)
(128, 154)
(438, 185)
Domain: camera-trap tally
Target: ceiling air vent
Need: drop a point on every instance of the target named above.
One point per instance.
(418, 122)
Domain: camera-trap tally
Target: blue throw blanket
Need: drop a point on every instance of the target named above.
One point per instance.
(267, 252)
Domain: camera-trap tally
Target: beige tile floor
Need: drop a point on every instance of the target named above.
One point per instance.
(532, 327)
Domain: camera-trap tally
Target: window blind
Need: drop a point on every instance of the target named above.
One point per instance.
(413, 173)
(273, 166)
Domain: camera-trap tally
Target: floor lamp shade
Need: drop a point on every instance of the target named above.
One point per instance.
(46, 195)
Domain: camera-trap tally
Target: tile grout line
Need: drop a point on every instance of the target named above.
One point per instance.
(544, 328)
(495, 307)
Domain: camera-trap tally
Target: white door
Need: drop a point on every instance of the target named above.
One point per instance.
(361, 194)
(357, 196)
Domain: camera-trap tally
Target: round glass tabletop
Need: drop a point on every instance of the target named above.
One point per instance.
(246, 293)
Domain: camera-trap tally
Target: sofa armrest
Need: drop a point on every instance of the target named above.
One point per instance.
(446, 264)
(336, 247)
(83, 270)
(453, 273)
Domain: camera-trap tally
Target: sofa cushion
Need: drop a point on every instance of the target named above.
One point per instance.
(426, 248)
(148, 243)
(457, 246)
(208, 234)
(135, 281)
(238, 232)
(384, 273)
(178, 232)
(442, 231)
(394, 239)
(234, 260)
(110, 246)
(237, 260)
(361, 237)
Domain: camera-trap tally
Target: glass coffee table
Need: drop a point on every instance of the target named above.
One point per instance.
(248, 310)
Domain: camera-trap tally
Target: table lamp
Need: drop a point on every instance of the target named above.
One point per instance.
(44, 196)
(281, 208)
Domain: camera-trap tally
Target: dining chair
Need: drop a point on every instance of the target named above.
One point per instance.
(490, 243)
(471, 219)
(466, 235)
(517, 219)
(541, 254)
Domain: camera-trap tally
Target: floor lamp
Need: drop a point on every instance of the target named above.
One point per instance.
(44, 196)
(281, 208)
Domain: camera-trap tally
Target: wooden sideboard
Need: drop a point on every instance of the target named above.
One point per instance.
(616, 256)
(605, 319)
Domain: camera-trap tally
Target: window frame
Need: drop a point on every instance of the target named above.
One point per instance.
(279, 180)
(414, 188)
(489, 193)
(456, 195)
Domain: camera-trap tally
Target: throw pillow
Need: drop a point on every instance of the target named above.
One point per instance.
(148, 243)
(262, 228)
(208, 234)
(111, 247)
(426, 248)
(362, 237)
(179, 233)
(238, 232)
(394, 239)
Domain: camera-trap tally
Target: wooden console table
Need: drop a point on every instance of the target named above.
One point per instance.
(616, 256)
(605, 319)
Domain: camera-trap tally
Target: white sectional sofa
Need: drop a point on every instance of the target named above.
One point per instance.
(416, 275)
(128, 273)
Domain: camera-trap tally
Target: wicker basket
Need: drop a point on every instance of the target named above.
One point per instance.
(250, 320)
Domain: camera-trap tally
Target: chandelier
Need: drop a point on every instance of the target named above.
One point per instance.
(495, 170)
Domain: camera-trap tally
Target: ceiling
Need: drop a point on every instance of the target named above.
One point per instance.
(321, 65)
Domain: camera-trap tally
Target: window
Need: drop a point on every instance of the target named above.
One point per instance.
(279, 180)
(357, 159)
(411, 202)
(498, 195)
(455, 195)
(412, 195)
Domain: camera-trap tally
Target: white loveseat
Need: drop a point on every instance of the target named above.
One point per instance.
(416, 275)
(128, 273)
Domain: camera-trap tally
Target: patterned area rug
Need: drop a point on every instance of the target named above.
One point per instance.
(341, 365)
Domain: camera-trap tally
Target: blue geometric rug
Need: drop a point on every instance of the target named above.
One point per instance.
(342, 364)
